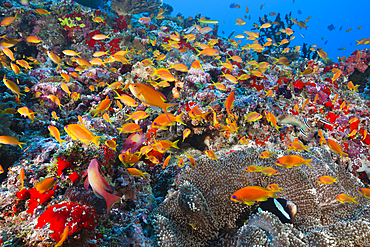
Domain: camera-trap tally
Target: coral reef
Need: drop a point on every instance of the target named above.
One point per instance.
(201, 208)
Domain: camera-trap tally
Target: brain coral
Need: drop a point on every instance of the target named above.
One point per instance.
(200, 212)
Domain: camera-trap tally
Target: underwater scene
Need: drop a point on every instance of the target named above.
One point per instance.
(184, 123)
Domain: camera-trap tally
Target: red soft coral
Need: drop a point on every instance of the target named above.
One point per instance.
(74, 215)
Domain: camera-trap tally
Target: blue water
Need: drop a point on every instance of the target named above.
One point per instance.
(349, 14)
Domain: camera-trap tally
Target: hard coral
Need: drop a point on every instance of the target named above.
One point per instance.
(201, 208)
(124, 7)
(78, 217)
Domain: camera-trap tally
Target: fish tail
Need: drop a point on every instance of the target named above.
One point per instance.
(21, 143)
(167, 105)
(353, 199)
(307, 150)
(174, 144)
(307, 162)
(95, 140)
(110, 200)
(336, 180)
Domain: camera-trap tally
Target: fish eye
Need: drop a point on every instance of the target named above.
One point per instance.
(234, 197)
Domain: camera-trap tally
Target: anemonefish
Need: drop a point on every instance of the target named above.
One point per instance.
(282, 208)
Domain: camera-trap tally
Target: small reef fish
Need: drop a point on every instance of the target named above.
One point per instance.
(21, 177)
(297, 146)
(12, 86)
(248, 195)
(11, 141)
(284, 209)
(137, 115)
(79, 132)
(111, 144)
(327, 180)
(274, 188)
(56, 134)
(54, 115)
(185, 134)
(272, 119)
(269, 171)
(100, 185)
(45, 184)
(102, 107)
(266, 154)
(63, 237)
(162, 121)
(136, 172)
(253, 168)
(26, 112)
(166, 162)
(134, 141)
(129, 128)
(335, 147)
(229, 104)
(150, 96)
(211, 155)
(344, 198)
(128, 158)
(289, 119)
(289, 161)
(191, 159)
(365, 192)
(252, 116)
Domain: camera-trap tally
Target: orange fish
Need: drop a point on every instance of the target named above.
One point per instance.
(102, 107)
(63, 237)
(343, 198)
(185, 134)
(21, 177)
(211, 155)
(8, 20)
(137, 115)
(297, 146)
(365, 192)
(161, 122)
(253, 168)
(45, 184)
(250, 194)
(111, 144)
(266, 154)
(33, 39)
(166, 162)
(335, 147)
(136, 172)
(150, 96)
(289, 161)
(56, 134)
(252, 116)
(229, 104)
(274, 188)
(11, 141)
(129, 128)
(327, 180)
(26, 112)
(79, 132)
(269, 171)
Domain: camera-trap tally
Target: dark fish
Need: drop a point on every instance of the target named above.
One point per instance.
(340, 29)
(232, 5)
(331, 27)
(95, 4)
(326, 42)
(299, 12)
(282, 208)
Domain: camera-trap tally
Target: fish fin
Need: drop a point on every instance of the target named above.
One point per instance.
(86, 183)
(354, 199)
(249, 203)
(95, 140)
(307, 162)
(111, 199)
(179, 118)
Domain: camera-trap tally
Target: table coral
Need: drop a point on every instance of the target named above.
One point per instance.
(201, 208)
(124, 7)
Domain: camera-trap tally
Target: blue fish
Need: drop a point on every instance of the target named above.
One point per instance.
(331, 27)
(95, 4)
(234, 5)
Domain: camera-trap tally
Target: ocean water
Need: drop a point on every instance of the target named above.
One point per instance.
(342, 13)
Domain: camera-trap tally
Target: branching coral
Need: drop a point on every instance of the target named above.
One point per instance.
(201, 208)
(124, 7)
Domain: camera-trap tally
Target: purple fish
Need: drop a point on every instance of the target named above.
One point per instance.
(134, 141)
